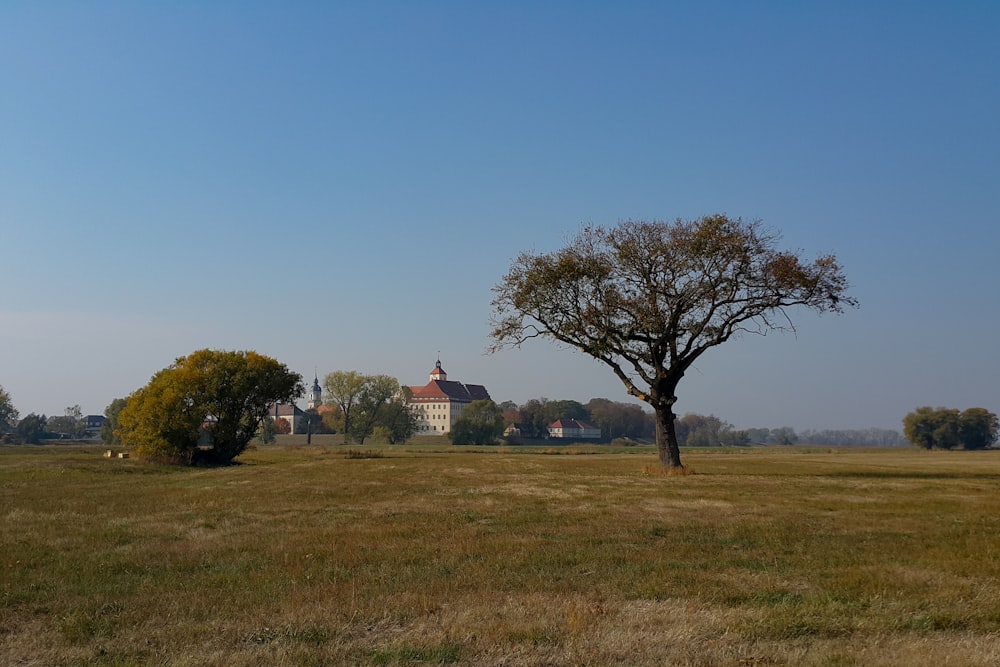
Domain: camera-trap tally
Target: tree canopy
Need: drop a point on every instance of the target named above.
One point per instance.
(616, 420)
(696, 430)
(218, 397)
(343, 389)
(536, 414)
(109, 429)
(398, 421)
(649, 298)
(365, 403)
(481, 423)
(947, 428)
(30, 429)
(619, 420)
(379, 395)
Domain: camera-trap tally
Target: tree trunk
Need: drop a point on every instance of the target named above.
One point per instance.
(666, 438)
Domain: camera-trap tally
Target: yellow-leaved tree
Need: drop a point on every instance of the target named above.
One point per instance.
(213, 396)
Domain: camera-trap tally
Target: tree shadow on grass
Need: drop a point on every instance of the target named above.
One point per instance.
(903, 474)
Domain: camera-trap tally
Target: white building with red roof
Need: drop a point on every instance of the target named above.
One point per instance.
(439, 403)
(574, 428)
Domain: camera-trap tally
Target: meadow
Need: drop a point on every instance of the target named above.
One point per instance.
(434, 555)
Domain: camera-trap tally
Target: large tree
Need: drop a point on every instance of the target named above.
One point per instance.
(380, 396)
(947, 428)
(213, 396)
(977, 428)
(366, 402)
(932, 428)
(30, 429)
(343, 388)
(649, 298)
(399, 419)
(534, 417)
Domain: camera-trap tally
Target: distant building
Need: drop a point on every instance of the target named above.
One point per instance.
(575, 429)
(293, 414)
(288, 412)
(440, 402)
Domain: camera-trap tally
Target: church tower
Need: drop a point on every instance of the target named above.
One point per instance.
(438, 372)
(316, 395)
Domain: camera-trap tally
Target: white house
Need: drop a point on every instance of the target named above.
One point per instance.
(575, 429)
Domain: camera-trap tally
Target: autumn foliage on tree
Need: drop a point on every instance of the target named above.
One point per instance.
(649, 298)
(216, 397)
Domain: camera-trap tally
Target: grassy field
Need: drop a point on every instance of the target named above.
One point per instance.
(430, 555)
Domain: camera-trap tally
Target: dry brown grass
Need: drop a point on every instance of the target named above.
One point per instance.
(434, 555)
(659, 471)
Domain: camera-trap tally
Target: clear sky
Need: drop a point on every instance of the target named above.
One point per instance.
(339, 185)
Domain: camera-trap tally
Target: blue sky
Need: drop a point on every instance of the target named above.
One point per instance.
(339, 185)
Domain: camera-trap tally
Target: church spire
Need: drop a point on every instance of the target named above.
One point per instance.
(316, 395)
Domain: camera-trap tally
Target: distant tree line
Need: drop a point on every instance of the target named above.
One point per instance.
(628, 420)
(34, 428)
(375, 407)
(694, 430)
(869, 437)
(616, 420)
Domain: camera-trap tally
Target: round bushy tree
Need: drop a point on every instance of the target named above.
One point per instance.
(211, 397)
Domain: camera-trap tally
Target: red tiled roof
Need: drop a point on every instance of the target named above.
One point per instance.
(285, 410)
(572, 423)
(456, 391)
